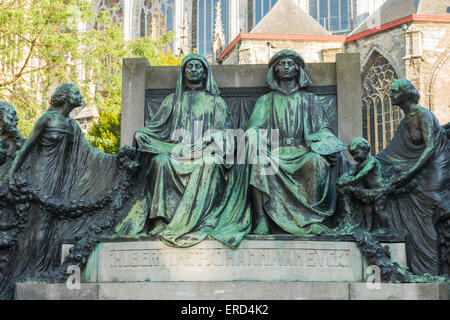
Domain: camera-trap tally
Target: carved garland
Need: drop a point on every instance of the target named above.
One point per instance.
(127, 167)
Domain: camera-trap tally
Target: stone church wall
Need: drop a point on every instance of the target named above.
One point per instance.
(420, 54)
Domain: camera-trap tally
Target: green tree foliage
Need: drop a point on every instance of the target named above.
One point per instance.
(39, 44)
(44, 43)
(105, 133)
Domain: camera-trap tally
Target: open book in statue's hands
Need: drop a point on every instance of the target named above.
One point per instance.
(325, 143)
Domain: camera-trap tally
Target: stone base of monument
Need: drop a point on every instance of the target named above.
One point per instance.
(270, 259)
(264, 267)
(199, 290)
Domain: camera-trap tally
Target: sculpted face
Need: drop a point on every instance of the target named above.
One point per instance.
(195, 72)
(395, 94)
(286, 69)
(8, 119)
(75, 98)
(359, 154)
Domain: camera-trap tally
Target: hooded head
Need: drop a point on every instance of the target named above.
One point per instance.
(210, 84)
(301, 79)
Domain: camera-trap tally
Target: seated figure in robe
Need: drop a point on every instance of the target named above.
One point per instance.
(297, 195)
(189, 192)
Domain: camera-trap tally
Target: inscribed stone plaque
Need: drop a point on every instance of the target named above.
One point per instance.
(211, 261)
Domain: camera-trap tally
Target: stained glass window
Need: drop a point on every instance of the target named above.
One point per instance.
(257, 9)
(380, 117)
(204, 16)
(156, 17)
(333, 15)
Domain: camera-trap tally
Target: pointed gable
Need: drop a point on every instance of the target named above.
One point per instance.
(286, 17)
(393, 10)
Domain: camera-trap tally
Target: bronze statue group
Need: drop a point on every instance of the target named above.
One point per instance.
(176, 184)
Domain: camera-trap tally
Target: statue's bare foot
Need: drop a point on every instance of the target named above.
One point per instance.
(262, 226)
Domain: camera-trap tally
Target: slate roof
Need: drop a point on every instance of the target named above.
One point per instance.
(393, 10)
(286, 17)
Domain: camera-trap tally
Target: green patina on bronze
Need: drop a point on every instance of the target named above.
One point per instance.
(60, 190)
(55, 188)
(364, 190)
(194, 199)
(298, 196)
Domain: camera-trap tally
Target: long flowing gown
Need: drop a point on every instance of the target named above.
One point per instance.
(299, 195)
(72, 186)
(414, 213)
(196, 198)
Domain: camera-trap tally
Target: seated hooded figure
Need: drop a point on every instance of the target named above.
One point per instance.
(297, 195)
(188, 192)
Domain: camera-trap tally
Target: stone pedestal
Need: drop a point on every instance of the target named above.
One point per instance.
(255, 260)
(202, 290)
(263, 268)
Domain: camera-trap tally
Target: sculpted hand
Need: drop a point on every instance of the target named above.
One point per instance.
(342, 180)
(314, 138)
(137, 140)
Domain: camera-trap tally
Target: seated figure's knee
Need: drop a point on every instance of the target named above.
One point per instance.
(161, 160)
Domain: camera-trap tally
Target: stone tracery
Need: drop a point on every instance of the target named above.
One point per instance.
(156, 17)
(114, 9)
(380, 119)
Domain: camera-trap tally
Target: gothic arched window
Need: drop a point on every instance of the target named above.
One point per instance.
(380, 118)
(156, 17)
(114, 9)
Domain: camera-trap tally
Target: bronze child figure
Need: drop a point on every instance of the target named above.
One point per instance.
(364, 186)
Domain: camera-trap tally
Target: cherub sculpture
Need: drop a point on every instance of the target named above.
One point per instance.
(364, 189)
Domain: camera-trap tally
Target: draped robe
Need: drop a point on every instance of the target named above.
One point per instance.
(61, 173)
(414, 213)
(300, 194)
(196, 198)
